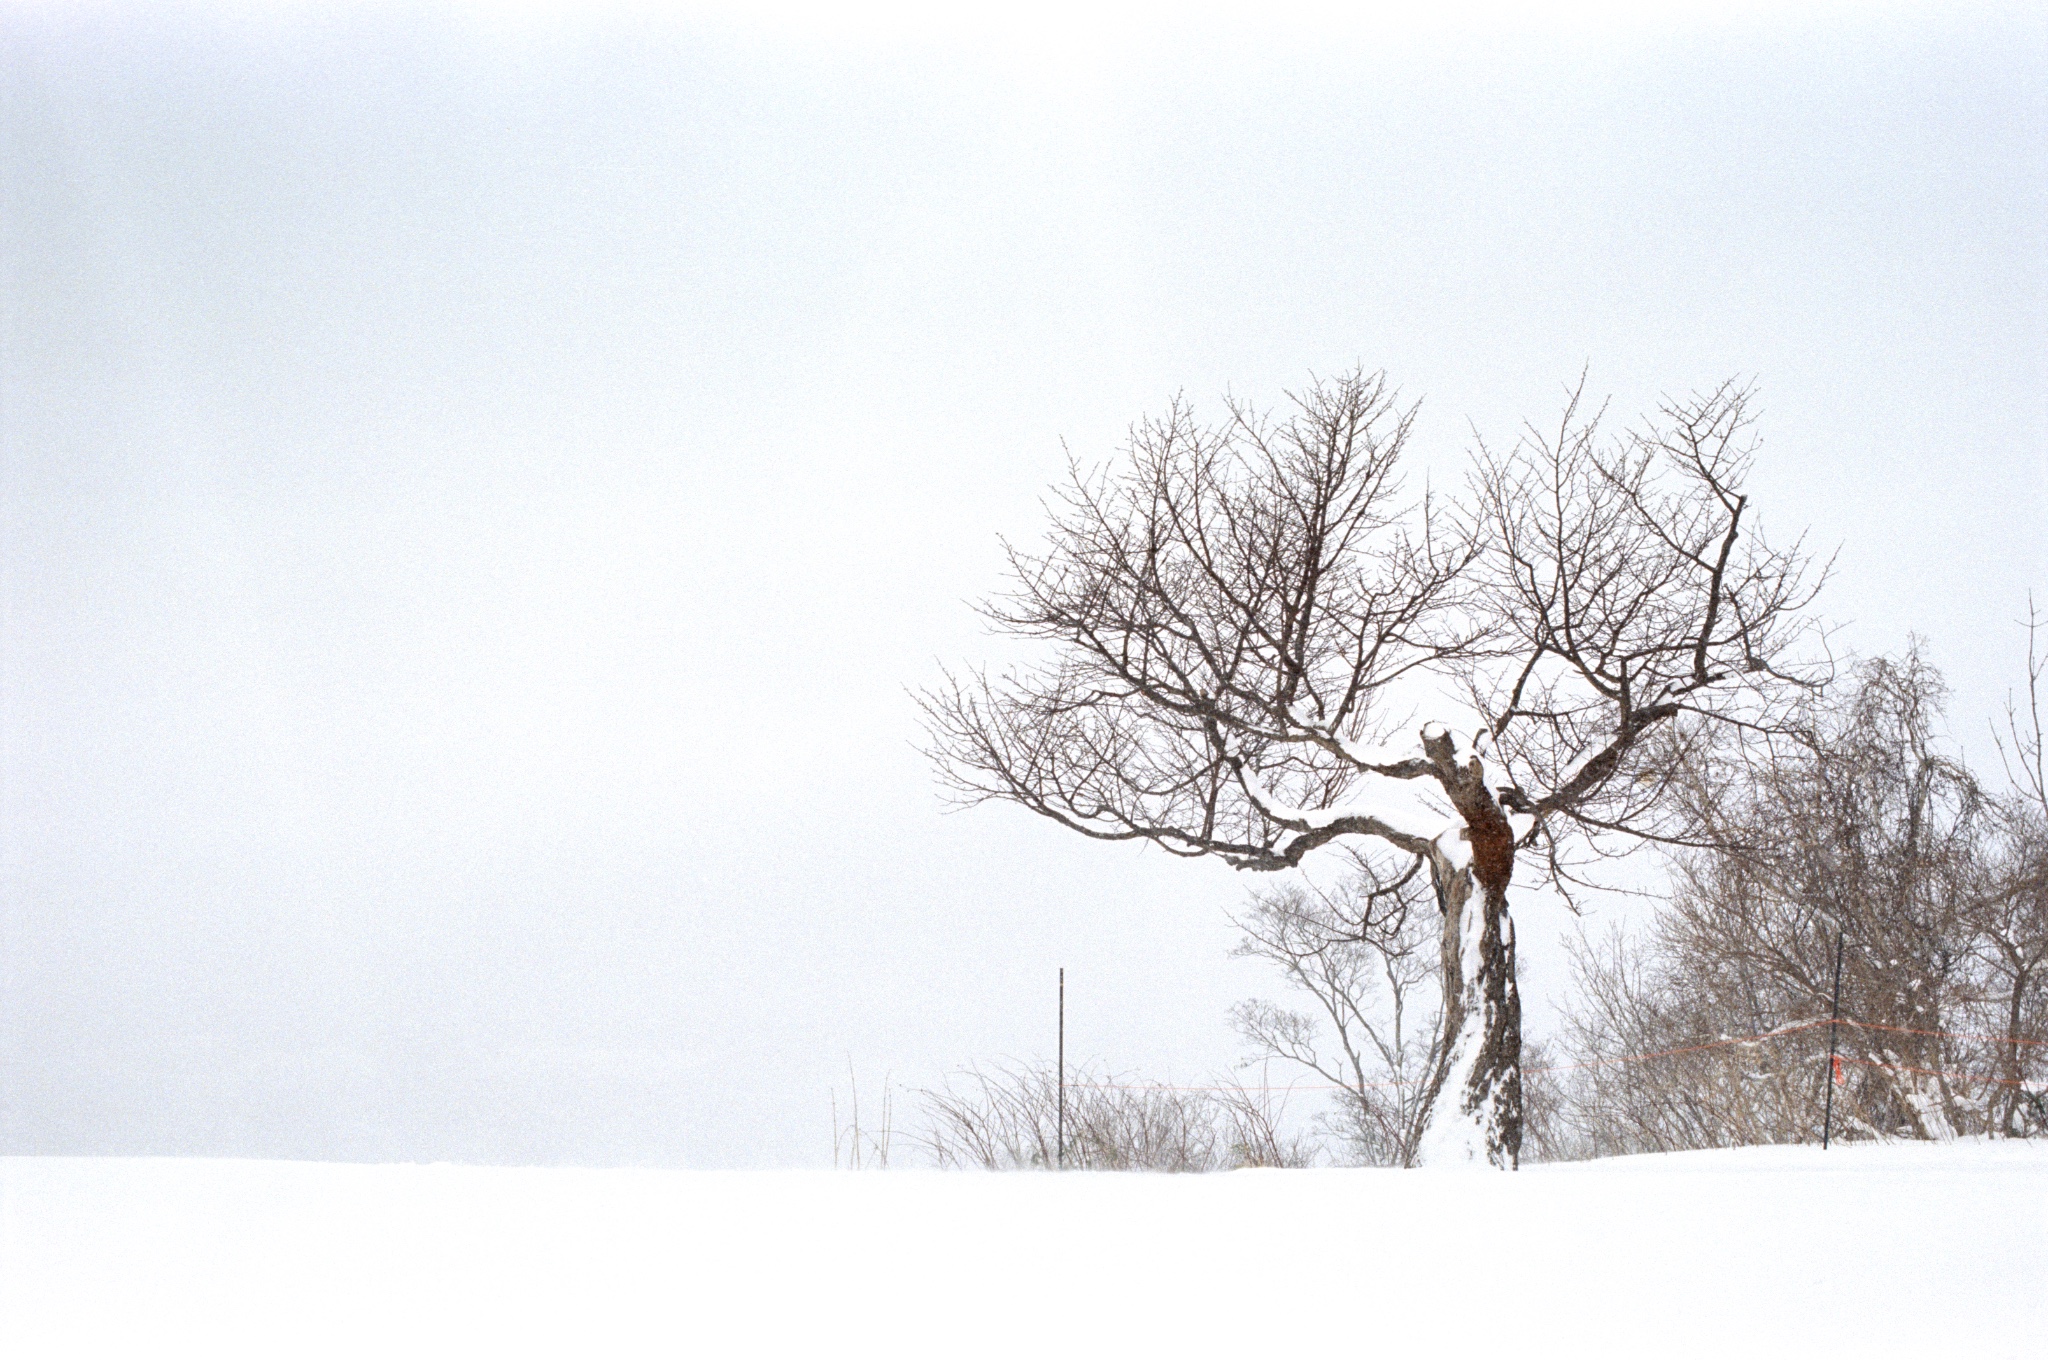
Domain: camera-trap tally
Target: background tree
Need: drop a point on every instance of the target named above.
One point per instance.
(1364, 955)
(1860, 822)
(1226, 610)
(2011, 914)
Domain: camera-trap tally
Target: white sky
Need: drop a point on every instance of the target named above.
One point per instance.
(477, 487)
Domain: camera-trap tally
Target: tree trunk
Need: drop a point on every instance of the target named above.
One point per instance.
(1475, 1095)
(2009, 1125)
(1476, 1092)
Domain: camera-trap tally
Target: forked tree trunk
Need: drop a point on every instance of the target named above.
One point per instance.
(1475, 1096)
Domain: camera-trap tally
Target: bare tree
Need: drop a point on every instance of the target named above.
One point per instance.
(1225, 611)
(1365, 956)
(1866, 833)
(2012, 905)
(1869, 827)
(1658, 1059)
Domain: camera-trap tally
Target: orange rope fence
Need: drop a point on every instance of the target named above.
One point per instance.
(1929, 1071)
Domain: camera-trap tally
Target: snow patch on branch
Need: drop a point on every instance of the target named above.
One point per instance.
(1408, 806)
(1397, 803)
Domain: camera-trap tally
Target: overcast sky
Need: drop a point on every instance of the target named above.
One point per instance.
(477, 488)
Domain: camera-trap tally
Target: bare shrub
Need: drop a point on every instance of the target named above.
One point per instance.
(857, 1146)
(1255, 1119)
(1006, 1118)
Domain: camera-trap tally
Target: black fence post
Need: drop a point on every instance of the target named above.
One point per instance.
(1834, 1029)
(1062, 1163)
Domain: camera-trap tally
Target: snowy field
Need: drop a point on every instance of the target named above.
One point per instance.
(1903, 1250)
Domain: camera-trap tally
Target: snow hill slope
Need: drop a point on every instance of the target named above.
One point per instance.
(1868, 1251)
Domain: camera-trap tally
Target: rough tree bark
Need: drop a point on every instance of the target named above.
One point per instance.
(1482, 1003)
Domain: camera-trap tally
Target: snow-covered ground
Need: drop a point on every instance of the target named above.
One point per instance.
(1903, 1250)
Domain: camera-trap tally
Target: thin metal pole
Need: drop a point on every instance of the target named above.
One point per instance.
(1834, 1031)
(1063, 1071)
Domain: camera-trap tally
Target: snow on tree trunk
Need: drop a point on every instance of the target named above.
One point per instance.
(1476, 1097)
